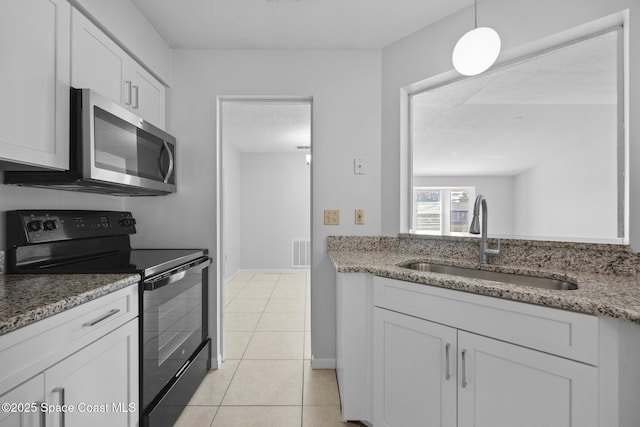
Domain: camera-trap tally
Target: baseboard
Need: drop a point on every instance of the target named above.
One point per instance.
(216, 362)
(323, 363)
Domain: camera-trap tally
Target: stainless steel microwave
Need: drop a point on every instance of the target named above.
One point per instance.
(112, 151)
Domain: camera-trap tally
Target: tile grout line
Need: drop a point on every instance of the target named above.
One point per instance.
(239, 360)
(304, 331)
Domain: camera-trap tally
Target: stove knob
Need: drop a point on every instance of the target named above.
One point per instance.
(50, 225)
(34, 225)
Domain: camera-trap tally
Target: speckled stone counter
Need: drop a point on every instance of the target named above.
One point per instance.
(608, 283)
(27, 298)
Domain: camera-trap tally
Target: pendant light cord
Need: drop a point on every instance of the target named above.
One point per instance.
(475, 13)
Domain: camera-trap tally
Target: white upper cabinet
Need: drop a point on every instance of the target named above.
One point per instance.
(34, 82)
(98, 63)
(147, 96)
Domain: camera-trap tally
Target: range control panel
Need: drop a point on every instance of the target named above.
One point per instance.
(41, 226)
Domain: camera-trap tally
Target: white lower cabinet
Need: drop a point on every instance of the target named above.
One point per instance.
(414, 371)
(428, 374)
(507, 385)
(97, 382)
(354, 340)
(24, 402)
(77, 368)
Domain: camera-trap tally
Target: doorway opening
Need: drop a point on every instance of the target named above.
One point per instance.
(264, 256)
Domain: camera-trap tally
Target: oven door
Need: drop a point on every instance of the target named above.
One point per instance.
(174, 328)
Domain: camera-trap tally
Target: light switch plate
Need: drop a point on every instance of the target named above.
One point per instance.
(331, 217)
(359, 216)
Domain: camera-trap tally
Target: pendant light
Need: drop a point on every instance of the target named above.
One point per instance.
(477, 50)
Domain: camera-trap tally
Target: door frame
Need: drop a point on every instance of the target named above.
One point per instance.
(220, 185)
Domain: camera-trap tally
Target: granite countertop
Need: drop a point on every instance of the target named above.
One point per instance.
(615, 295)
(27, 298)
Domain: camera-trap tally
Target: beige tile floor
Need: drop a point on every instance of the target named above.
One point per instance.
(266, 379)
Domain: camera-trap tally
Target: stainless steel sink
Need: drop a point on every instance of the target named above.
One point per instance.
(514, 279)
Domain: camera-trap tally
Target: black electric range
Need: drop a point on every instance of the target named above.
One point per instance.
(174, 343)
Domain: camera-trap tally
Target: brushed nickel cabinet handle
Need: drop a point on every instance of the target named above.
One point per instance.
(42, 417)
(464, 368)
(447, 348)
(60, 390)
(128, 92)
(137, 94)
(103, 317)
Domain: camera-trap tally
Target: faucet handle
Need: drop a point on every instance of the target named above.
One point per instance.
(493, 252)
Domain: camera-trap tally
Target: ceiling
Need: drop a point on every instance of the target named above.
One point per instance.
(287, 24)
(267, 126)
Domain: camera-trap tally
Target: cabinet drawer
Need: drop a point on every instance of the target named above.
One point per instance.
(564, 333)
(33, 348)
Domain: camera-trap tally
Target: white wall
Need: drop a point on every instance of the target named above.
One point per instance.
(14, 197)
(345, 87)
(275, 208)
(567, 184)
(498, 191)
(231, 207)
(521, 25)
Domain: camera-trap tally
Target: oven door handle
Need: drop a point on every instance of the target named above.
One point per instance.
(153, 284)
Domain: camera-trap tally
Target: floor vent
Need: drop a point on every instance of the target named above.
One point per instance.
(301, 253)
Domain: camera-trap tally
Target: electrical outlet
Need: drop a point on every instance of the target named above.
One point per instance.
(359, 214)
(331, 217)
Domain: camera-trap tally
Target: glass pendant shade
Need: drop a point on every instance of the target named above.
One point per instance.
(476, 51)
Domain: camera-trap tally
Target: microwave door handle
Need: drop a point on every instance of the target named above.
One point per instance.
(162, 174)
(171, 161)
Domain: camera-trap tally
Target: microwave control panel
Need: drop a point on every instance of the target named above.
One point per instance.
(43, 226)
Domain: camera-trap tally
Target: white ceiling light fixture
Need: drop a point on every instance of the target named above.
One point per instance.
(477, 50)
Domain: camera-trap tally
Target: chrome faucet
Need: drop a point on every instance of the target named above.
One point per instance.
(485, 252)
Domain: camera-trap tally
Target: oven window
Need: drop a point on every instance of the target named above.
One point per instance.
(172, 330)
(124, 148)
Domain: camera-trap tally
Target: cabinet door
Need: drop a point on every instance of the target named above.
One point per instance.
(99, 382)
(505, 385)
(98, 63)
(30, 394)
(34, 82)
(414, 371)
(148, 96)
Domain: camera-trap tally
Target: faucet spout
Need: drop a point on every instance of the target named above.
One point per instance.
(485, 252)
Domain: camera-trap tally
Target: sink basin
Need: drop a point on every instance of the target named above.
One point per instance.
(513, 279)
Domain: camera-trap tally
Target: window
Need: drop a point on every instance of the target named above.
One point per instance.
(442, 210)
